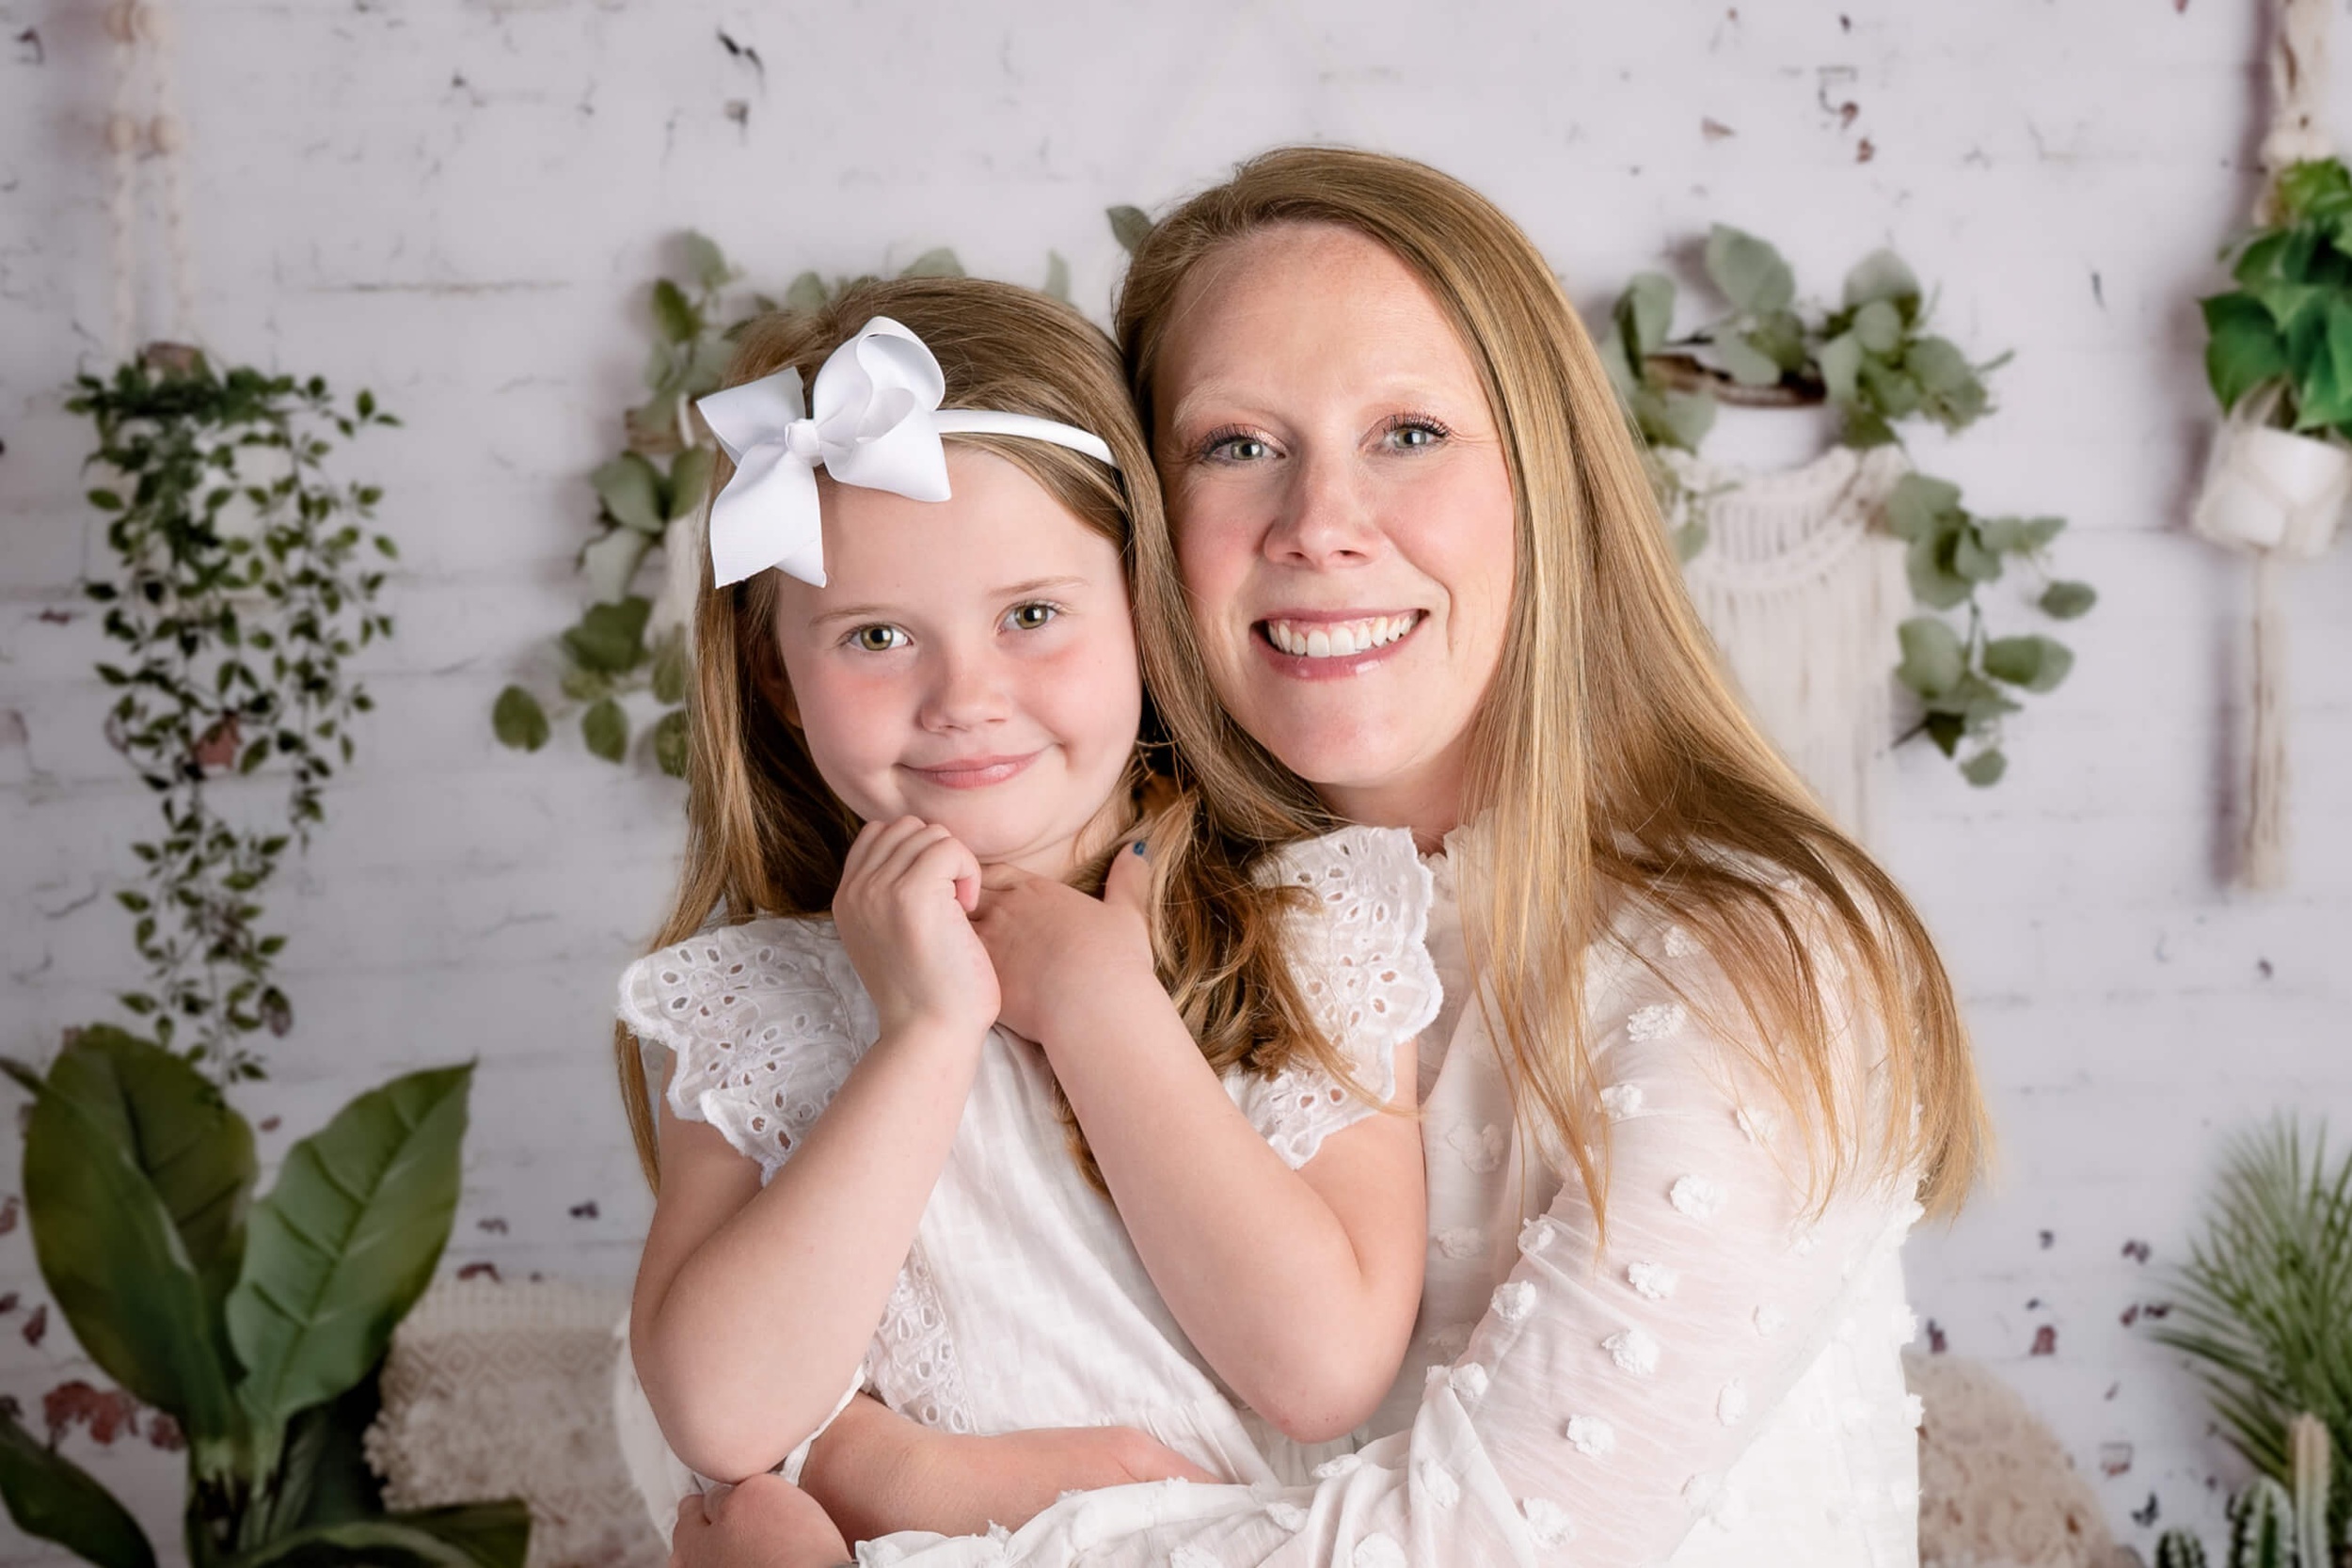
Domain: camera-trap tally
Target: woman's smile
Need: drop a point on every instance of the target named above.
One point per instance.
(1308, 645)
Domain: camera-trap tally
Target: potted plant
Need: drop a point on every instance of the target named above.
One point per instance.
(255, 1325)
(2279, 354)
(2265, 1308)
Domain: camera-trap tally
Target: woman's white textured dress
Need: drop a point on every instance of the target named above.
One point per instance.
(1022, 1302)
(1718, 1385)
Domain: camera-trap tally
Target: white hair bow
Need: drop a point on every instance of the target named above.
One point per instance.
(873, 420)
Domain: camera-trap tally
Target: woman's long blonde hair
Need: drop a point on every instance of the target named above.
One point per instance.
(1611, 758)
(766, 836)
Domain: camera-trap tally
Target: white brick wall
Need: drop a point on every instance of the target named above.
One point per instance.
(458, 204)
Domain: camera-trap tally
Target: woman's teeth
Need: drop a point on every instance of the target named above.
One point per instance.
(1339, 638)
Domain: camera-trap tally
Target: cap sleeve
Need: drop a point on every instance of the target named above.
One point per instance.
(1362, 958)
(765, 1020)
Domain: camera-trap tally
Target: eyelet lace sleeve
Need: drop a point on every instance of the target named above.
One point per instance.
(765, 1018)
(1361, 958)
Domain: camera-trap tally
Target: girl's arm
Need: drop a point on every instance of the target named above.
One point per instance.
(731, 1269)
(1299, 1286)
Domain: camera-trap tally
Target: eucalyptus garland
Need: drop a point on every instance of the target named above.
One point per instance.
(243, 579)
(1873, 361)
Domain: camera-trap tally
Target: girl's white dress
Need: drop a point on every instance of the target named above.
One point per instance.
(1718, 1385)
(1022, 1302)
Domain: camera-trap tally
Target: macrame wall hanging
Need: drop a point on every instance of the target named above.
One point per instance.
(2273, 493)
(145, 123)
(1803, 590)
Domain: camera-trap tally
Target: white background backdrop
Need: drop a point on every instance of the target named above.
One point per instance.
(460, 204)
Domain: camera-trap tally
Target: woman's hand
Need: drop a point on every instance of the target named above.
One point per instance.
(766, 1522)
(1051, 944)
(903, 910)
(874, 1472)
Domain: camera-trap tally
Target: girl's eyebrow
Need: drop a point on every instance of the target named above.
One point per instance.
(1010, 589)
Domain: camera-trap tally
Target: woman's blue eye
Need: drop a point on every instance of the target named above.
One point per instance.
(1030, 617)
(1234, 447)
(879, 639)
(1416, 433)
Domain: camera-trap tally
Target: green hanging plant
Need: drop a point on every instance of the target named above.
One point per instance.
(1873, 361)
(243, 578)
(256, 1325)
(2285, 331)
(624, 642)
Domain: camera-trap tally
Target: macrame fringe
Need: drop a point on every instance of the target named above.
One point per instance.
(1803, 595)
(2266, 867)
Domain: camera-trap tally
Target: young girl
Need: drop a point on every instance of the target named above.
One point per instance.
(915, 740)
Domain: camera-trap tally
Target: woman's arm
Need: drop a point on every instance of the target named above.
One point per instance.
(731, 1270)
(1299, 1286)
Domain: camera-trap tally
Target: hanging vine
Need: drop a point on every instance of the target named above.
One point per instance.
(243, 580)
(1873, 361)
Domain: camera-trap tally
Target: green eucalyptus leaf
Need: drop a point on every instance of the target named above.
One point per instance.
(1613, 364)
(519, 720)
(1645, 315)
(196, 1152)
(1969, 558)
(605, 728)
(1933, 659)
(631, 488)
(1917, 504)
(1948, 730)
(2244, 348)
(939, 262)
(707, 263)
(1747, 364)
(610, 562)
(1780, 334)
(1878, 326)
(1129, 227)
(670, 742)
(1688, 416)
(1933, 583)
(674, 314)
(1749, 272)
(2036, 663)
(1057, 276)
(586, 686)
(610, 637)
(1888, 391)
(347, 1240)
(1985, 769)
(54, 1499)
(1942, 370)
(1882, 276)
(1841, 360)
(672, 668)
(116, 1264)
(690, 481)
(1866, 428)
(2065, 601)
(807, 293)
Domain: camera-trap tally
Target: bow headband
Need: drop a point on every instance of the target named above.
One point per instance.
(873, 420)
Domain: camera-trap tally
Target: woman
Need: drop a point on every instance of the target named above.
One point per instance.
(1700, 1066)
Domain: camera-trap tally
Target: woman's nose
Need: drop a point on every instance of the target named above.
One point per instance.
(1326, 516)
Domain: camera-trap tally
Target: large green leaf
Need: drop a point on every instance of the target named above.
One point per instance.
(50, 1496)
(120, 1273)
(2243, 348)
(2036, 663)
(610, 562)
(323, 1477)
(690, 481)
(519, 720)
(346, 1242)
(1933, 659)
(170, 1119)
(631, 488)
(472, 1535)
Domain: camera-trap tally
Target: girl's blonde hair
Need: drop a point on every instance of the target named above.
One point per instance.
(1610, 757)
(766, 836)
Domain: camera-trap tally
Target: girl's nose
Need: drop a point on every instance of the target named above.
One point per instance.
(967, 692)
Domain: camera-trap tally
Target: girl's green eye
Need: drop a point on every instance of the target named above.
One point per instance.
(1030, 617)
(879, 639)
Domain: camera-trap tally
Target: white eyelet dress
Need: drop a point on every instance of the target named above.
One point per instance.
(1022, 1302)
(1718, 1385)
